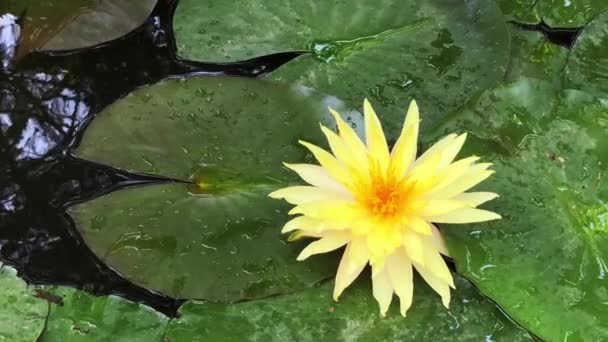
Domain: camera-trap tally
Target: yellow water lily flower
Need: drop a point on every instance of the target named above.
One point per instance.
(381, 204)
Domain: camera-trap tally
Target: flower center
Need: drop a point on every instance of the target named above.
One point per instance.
(387, 197)
(385, 201)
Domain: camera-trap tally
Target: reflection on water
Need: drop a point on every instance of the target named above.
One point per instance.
(10, 31)
(46, 101)
(39, 110)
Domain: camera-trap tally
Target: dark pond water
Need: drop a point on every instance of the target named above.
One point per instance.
(46, 101)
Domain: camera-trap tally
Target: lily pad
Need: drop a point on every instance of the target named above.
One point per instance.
(69, 24)
(544, 263)
(533, 55)
(440, 52)
(22, 316)
(219, 240)
(588, 62)
(78, 316)
(312, 315)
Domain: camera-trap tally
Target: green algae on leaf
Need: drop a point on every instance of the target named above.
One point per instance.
(544, 263)
(311, 315)
(22, 315)
(439, 52)
(218, 240)
(587, 67)
(78, 316)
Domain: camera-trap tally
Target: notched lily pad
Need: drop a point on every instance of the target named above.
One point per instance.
(220, 239)
(439, 52)
(312, 315)
(549, 251)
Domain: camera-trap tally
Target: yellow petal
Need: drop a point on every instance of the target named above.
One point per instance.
(476, 198)
(473, 176)
(418, 225)
(421, 172)
(434, 263)
(382, 291)
(335, 168)
(440, 207)
(374, 136)
(452, 149)
(301, 234)
(355, 160)
(451, 173)
(351, 139)
(412, 244)
(404, 151)
(316, 176)
(437, 149)
(359, 254)
(399, 269)
(300, 222)
(438, 242)
(329, 242)
(465, 215)
(305, 194)
(437, 284)
(332, 210)
(348, 271)
(384, 239)
(305, 223)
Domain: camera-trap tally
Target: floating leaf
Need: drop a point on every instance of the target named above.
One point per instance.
(544, 263)
(588, 62)
(440, 52)
(312, 315)
(219, 240)
(78, 316)
(71, 24)
(22, 316)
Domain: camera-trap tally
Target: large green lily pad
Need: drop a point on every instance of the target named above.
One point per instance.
(220, 241)
(78, 316)
(312, 315)
(22, 316)
(555, 13)
(440, 52)
(71, 24)
(588, 62)
(544, 263)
